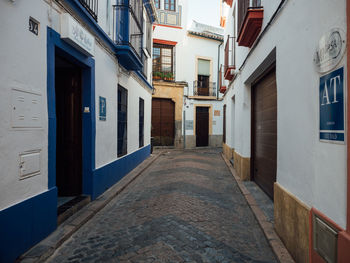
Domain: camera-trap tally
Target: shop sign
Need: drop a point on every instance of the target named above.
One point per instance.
(331, 101)
(73, 33)
(103, 108)
(330, 50)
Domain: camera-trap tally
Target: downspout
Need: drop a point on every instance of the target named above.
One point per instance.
(218, 84)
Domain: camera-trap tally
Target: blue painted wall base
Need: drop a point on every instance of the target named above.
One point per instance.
(108, 175)
(26, 223)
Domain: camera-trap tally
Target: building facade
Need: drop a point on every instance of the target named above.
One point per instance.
(75, 88)
(186, 108)
(285, 83)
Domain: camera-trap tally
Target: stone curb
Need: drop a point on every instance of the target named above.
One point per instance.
(275, 242)
(47, 247)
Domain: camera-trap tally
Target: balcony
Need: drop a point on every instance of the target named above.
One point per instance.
(91, 6)
(170, 18)
(250, 18)
(128, 32)
(204, 88)
(230, 58)
(221, 84)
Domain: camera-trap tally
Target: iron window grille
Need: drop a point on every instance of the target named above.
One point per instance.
(163, 62)
(141, 122)
(91, 6)
(122, 121)
(170, 5)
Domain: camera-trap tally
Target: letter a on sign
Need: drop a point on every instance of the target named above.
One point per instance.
(331, 101)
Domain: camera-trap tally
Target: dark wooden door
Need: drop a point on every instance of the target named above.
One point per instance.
(69, 130)
(264, 132)
(163, 122)
(224, 126)
(202, 126)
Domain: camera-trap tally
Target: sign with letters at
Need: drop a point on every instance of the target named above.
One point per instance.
(103, 108)
(331, 101)
(73, 33)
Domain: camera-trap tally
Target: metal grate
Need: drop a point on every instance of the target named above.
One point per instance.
(91, 6)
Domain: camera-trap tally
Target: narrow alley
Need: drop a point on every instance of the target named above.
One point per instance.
(186, 207)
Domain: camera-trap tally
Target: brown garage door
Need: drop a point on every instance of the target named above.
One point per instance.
(264, 132)
(163, 122)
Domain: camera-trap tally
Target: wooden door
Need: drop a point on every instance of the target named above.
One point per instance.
(264, 132)
(202, 126)
(69, 130)
(163, 122)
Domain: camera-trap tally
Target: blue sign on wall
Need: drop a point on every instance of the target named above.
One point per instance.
(332, 106)
(103, 108)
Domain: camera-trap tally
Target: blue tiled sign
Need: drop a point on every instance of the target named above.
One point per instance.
(332, 106)
(103, 108)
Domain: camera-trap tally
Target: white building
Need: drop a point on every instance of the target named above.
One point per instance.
(186, 101)
(75, 107)
(286, 69)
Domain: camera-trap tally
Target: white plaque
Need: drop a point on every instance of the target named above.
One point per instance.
(73, 33)
(330, 50)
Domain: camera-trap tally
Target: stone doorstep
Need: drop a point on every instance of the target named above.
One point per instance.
(46, 248)
(275, 242)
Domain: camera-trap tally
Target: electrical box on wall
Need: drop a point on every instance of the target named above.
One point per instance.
(29, 164)
(26, 109)
(325, 240)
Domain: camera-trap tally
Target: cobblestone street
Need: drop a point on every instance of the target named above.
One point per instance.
(186, 207)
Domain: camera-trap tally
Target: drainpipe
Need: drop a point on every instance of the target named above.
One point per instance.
(217, 79)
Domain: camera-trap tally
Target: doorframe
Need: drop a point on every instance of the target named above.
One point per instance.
(210, 117)
(55, 45)
(252, 119)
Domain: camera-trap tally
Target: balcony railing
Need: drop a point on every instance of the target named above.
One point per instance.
(230, 58)
(222, 87)
(170, 18)
(128, 22)
(243, 7)
(91, 6)
(204, 88)
(250, 18)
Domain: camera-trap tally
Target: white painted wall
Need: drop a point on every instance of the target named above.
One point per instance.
(313, 171)
(23, 65)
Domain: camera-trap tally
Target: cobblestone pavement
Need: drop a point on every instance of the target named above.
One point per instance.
(185, 208)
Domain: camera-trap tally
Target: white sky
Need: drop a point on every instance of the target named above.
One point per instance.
(204, 11)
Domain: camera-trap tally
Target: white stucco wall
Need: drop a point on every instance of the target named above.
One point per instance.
(313, 171)
(23, 66)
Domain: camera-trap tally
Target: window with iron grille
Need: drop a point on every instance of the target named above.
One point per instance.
(163, 67)
(169, 5)
(91, 6)
(122, 121)
(141, 122)
(149, 31)
(157, 3)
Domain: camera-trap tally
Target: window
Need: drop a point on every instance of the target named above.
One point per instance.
(157, 3)
(122, 121)
(163, 62)
(203, 77)
(141, 122)
(169, 5)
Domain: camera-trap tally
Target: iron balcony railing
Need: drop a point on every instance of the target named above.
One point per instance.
(128, 24)
(243, 7)
(91, 6)
(204, 88)
(230, 54)
(170, 18)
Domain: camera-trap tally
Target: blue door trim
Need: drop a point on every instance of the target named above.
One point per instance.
(57, 46)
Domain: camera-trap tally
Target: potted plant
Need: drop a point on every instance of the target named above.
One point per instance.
(157, 75)
(169, 76)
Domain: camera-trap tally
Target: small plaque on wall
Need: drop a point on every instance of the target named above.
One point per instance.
(189, 125)
(103, 108)
(216, 113)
